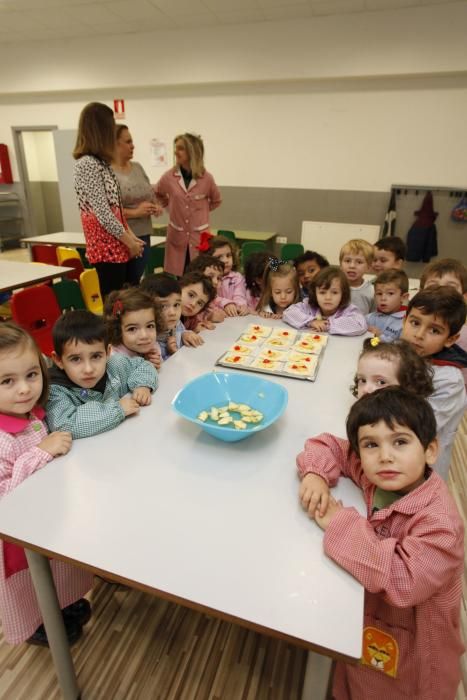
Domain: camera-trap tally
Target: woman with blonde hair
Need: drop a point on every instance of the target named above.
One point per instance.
(190, 193)
(110, 243)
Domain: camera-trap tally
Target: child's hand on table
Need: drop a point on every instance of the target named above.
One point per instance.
(319, 325)
(207, 325)
(314, 492)
(56, 443)
(154, 357)
(142, 395)
(333, 508)
(231, 309)
(192, 339)
(217, 315)
(129, 405)
(172, 345)
(269, 314)
(243, 310)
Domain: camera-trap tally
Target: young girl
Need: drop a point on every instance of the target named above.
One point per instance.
(131, 323)
(213, 268)
(280, 289)
(328, 308)
(25, 447)
(254, 268)
(197, 293)
(389, 364)
(232, 289)
(308, 265)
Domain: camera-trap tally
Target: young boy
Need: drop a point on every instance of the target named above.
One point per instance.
(407, 553)
(391, 295)
(389, 254)
(197, 293)
(171, 333)
(88, 386)
(308, 265)
(355, 259)
(434, 319)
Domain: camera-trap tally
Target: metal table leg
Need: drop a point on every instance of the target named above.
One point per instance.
(44, 587)
(318, 669)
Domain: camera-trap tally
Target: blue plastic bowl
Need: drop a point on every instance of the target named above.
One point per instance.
(218, 388)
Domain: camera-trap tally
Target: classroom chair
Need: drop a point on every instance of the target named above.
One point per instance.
(68, 295)
(155, 259)
(36, 309)
(82, 254)
(251, 247)
(289, 251)
(226, 234)
(89, 283)
(42, 253)
(65, 253)
(77, 266)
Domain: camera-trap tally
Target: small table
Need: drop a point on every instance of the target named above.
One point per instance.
(73, 239)
(14, 275)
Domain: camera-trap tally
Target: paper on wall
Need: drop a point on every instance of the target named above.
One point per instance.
(158, 153)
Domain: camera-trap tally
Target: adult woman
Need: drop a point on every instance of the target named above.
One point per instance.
(110, 244)
(138, 198)
(190, 193)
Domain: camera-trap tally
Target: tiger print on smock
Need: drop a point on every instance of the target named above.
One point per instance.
(99, 202)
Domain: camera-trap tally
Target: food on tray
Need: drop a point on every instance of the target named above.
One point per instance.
(233, 358)
(309, 344)
(266, 364)
(280, 343)
(286, 333)
(272, 354)
(297, 356)
(256, 329)
(238, 349)
(250, 338)
(305, 369)
(316, 338)
(222, 415)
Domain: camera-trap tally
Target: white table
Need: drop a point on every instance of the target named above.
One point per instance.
(162, 506)
(75, 240)
(14, 275)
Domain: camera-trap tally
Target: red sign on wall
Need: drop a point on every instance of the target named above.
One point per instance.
(119, 109)
(5, 167)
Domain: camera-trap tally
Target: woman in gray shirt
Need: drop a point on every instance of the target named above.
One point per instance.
(138, 198)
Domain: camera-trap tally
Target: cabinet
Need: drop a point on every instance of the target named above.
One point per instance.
(11, 218)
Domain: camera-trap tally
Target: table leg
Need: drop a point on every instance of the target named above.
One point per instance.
(44, 586)
(318, 670)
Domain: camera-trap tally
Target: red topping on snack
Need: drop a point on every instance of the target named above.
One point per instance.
(285, 332)
(253, 337)
(316, 337)
(294, 366)
(307, 359)
(237, 358)
(257, 328)
(236, 347)
(266, 362)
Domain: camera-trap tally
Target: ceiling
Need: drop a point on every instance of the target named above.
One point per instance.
(43, 20)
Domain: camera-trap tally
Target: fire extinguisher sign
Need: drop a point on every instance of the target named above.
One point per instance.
(119, 109)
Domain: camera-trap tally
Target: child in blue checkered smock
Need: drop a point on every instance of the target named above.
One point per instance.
(88, 387)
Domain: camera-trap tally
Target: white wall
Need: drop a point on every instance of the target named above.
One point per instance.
(39, 152)
(283, 130)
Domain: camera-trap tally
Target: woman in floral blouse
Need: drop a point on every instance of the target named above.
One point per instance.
(110, 243)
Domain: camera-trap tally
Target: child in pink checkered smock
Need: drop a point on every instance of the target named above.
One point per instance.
(26, 447)
(407, 551)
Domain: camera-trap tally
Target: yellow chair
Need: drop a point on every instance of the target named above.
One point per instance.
(89, 283)
(64, 253)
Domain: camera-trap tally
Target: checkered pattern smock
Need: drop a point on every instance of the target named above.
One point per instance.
(19, 459)
(409, 558)
(85, 412)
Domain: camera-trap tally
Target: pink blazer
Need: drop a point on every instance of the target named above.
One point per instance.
(188, 214)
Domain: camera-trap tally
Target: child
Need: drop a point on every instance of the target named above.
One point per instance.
(407, 552)
(25, 447)
(328, 308)
(280, 289)
(391, 293)
(167, 295)
(389, 254)
(434, 319)
(392, 364)
(88, 386)
(254, 269)
(232, 289)
(308, 265)
(213, 268)
(197, 293)
(131, 325)
(355, 259)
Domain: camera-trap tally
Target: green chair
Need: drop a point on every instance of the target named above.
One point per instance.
(82, 254)
(251, 247)
(156, 259)
(290, 251)
(226, 234)
(68, 295)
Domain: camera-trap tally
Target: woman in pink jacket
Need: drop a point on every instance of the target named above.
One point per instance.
(190, 193)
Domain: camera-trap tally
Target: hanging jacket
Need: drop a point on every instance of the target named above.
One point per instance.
(422, 241)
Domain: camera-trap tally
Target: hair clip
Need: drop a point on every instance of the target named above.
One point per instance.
(204, 241)
(117, 308)
(375, 341)
(274, 263)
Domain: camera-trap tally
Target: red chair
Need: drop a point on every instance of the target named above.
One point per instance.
(44, 254)
(36, 309)
(76, 264)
